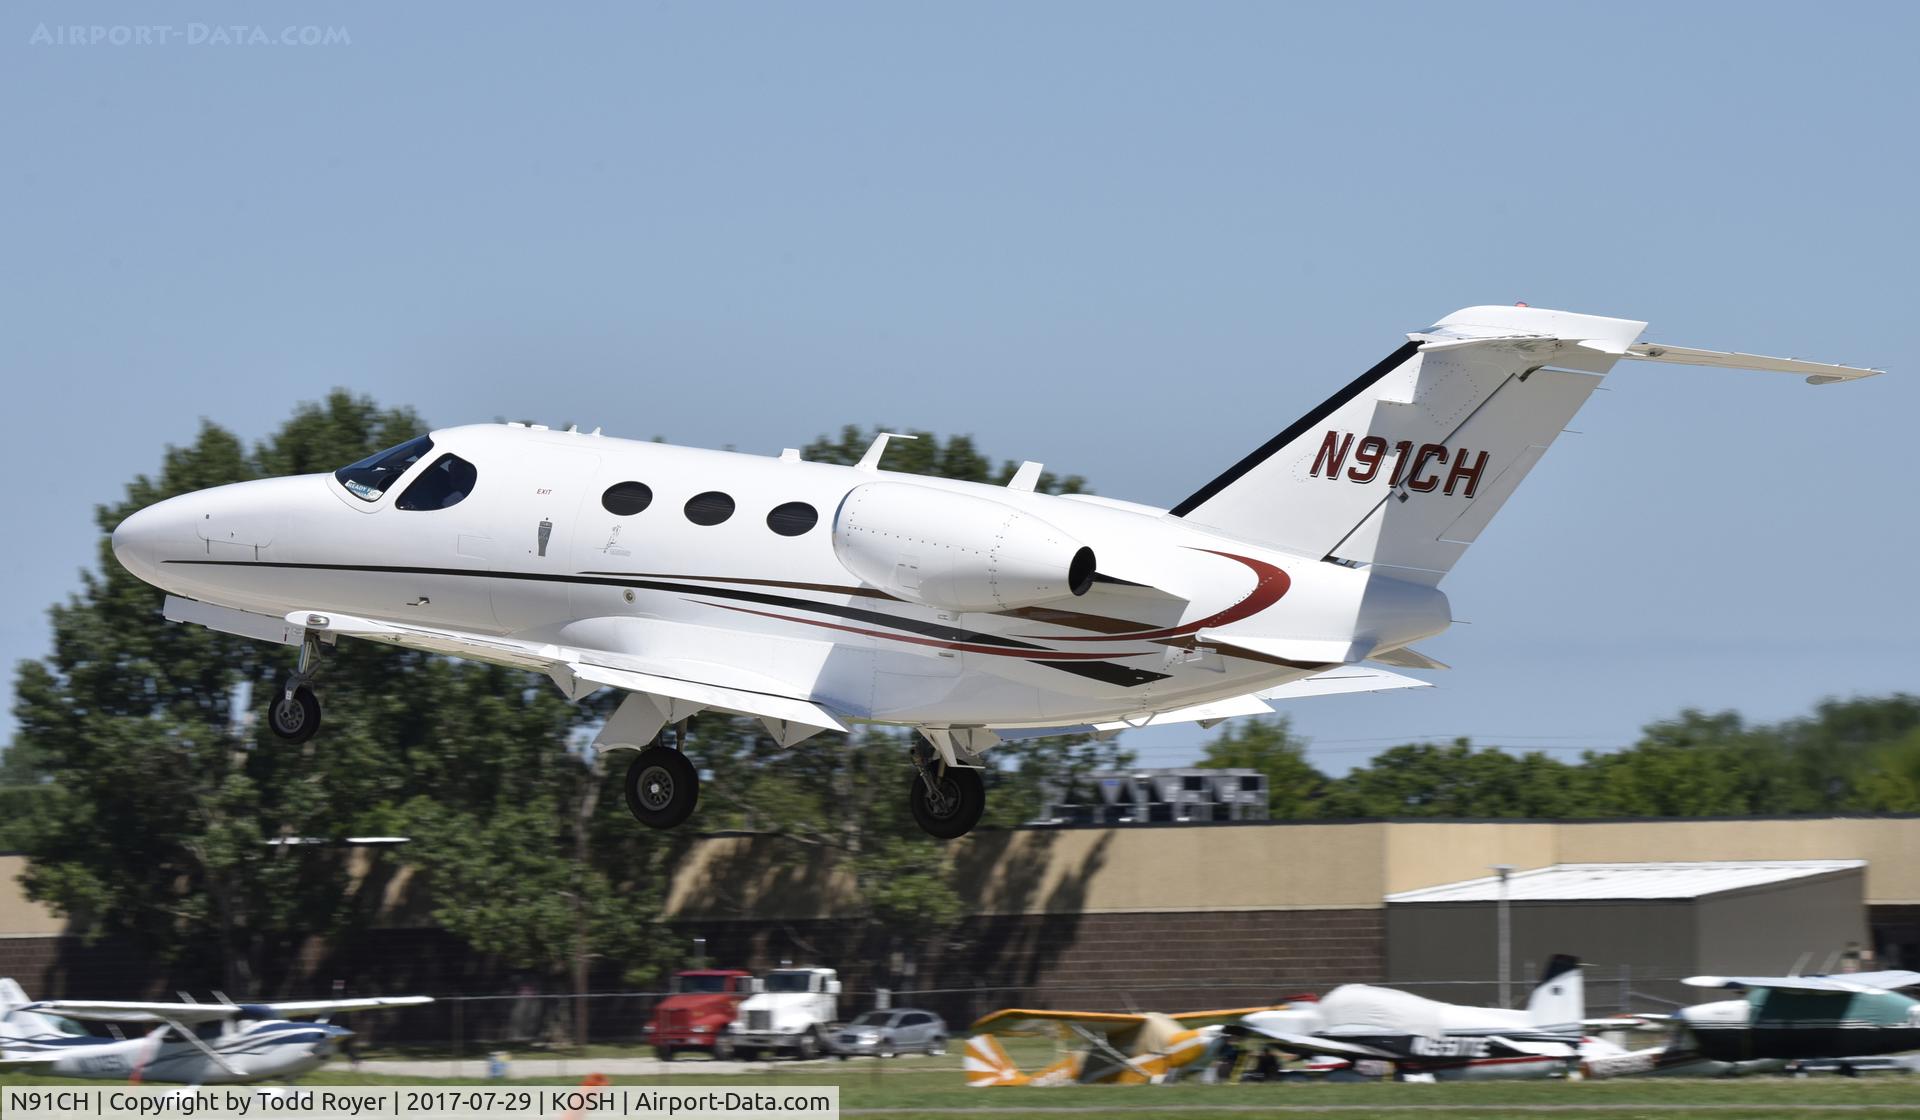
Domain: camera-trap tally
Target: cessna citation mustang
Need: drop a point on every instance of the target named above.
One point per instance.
(813, 595)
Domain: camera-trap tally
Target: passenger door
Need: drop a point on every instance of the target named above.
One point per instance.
(535, 535)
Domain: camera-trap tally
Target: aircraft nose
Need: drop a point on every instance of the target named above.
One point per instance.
(135, 538)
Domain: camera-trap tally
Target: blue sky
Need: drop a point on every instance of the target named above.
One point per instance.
(1130, 240)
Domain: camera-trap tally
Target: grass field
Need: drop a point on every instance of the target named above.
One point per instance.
(883, 1090)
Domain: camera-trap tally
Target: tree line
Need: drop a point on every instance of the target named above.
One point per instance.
(1859, 755)
(153, 807)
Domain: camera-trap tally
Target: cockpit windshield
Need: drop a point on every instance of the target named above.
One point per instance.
(370, 477)
(443, 484)
(700, 984)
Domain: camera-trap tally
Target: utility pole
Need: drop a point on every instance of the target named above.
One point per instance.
(1505, 935)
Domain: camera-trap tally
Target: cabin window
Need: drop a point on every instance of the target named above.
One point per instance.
(372, 476)
(624, 499)
(442, 485)
(792, 519)
(710, 508)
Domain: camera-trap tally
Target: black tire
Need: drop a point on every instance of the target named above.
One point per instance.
(722, 1050)
(936, 1048)
(962, 798)
(749, 1054)
(809, 1048)
(662, 787)
(663, 1053)
(294, 718)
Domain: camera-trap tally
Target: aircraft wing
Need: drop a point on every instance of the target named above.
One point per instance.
(582, 671)
(108, 1011)
(1844, 982)
(309, 1009)
(1315, 1043)
(1059, 1024)
(1214, 1018)
(1333, 682)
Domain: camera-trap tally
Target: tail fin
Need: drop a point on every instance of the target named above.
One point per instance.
(1559, 1001)
(1406, 465)
(987, 1064)
(15, 1024)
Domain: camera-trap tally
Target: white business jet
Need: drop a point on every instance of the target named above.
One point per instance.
(814, 595)
(180, 1043)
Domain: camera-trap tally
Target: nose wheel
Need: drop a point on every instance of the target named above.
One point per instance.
(662, 787)
(947, 801)
(294, 713)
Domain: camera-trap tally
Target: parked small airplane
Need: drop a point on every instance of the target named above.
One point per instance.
(190, 1043)
(1841, 1021)
(1447, 1041)
(813, 595)
(1121, 1048)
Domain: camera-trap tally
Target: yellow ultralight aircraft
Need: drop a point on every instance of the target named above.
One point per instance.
(1121, 1048)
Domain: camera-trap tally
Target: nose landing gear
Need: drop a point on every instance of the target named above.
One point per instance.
(294, 714)
(947, 801)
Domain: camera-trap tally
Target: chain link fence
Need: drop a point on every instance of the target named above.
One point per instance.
(533, 1023)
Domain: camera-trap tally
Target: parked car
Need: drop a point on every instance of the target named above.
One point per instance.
(898, 1030)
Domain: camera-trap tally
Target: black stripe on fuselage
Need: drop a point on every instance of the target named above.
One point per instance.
(1296, 429)
(1108, 672)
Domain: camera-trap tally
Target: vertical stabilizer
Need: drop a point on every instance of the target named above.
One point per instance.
(1559, 1001)
(1406, 465)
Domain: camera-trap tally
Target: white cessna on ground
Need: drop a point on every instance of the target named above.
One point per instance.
(177, 1043)
(814, 595)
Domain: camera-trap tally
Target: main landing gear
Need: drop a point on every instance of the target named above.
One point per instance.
(947, 801)
(662, 786)
(294, 714)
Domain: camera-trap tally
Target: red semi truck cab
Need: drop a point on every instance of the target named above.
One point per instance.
(696, 1015)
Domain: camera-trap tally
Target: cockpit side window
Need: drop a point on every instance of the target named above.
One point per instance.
(372, 476)
(449, 480)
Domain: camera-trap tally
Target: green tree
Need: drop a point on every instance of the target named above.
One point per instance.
(1295, 789)
(163, 816)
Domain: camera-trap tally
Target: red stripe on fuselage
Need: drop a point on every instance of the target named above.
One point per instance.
(963, 647)
(1269, 585)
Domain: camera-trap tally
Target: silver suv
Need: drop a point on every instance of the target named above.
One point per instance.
(900, 1030)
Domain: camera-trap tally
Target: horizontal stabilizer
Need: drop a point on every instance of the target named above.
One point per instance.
(1304, 651)
(1816, 373)
(1407, 657)
(1336, 682)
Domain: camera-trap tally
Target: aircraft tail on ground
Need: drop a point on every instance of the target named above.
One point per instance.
(1559, 1001)
(1406, 465)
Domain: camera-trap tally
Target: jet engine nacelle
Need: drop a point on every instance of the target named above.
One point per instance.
(956, 552)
